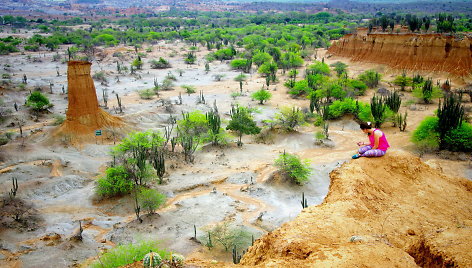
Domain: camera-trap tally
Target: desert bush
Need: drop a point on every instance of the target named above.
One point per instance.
(167, 84)
(117, 181)
(150, 199)
(289, 118)
(402, 81)
(189, 89)
(459, 139)
(194, 124)
(261, 95)
(100, 76)
(341, 107)
(58, 119)
(146, 94)
(370, 77)
(38, 101)
(295, 168)
(358, 86)
(299, 88)
(426, 134)
(427, 92)
(159, 64)
(128, 253)
(227, 235)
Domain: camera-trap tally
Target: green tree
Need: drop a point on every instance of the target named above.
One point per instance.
(150, 199)
(242, 123)
(339, 67)
(261, 57)
(261, 95)
(292, 166)
(318, 68)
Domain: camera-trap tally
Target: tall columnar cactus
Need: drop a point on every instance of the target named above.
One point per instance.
(393, 101)
(427, 90)
(152, 259)
(450, 114)
(401, 121)
(304, 202)
(214, 123)
(378, 107)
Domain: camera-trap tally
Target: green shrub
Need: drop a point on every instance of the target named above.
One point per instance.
(261, 95)
(293, 167)
(189, 89)
(150, 199)
(116, 182)
(58, 119)
(459, 139)
(370, 77)
(126, 254)
(318, 68)
(227, 235)
(341, 107)
(358, 86)
(289, 118)
(159, 64)
(427, 92)
(146, 94)
(38, 101)
(299, 88)
(426, 134)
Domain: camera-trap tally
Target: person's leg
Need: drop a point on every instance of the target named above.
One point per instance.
(373, 153)
(364, 149)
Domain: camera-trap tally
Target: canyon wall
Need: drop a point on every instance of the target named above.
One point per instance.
(426, 52)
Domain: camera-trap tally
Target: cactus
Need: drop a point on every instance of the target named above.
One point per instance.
(427, 90)
(378, 107)
(177, 259)
(236, 256)
(450, 114)
(304, 202)
(152, 259)
(214, 123)
(393, 101)
(401, 121)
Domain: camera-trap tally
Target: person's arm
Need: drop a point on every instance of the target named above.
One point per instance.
(377, 135)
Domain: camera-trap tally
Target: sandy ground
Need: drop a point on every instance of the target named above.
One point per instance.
(223, 183)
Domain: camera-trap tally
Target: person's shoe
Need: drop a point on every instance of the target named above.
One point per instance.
(356, 156)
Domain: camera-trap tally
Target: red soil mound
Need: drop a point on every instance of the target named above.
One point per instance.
(428, 52)
(83, 114)
(393, 211)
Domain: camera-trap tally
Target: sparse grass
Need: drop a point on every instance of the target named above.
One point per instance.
(126, 254)
(146, 94)
(58, 119)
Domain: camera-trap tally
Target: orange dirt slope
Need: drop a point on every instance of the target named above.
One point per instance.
(394, 211)
(428, 52)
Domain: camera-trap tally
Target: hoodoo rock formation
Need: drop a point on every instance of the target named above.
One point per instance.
(84, 116)
(393, 211)
(427, 52)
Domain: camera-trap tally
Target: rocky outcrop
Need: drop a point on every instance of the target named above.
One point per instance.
(84, 116)
(427, 52)
(393, 211)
